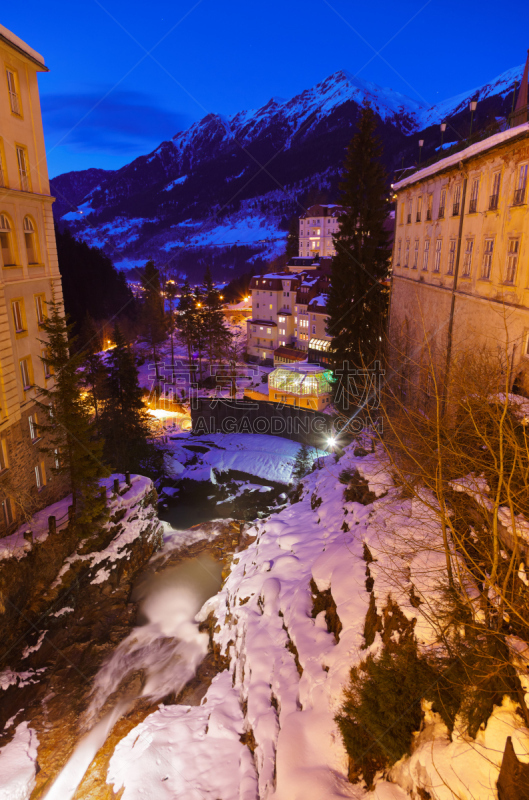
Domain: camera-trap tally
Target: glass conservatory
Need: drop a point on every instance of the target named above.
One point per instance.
(306, 380)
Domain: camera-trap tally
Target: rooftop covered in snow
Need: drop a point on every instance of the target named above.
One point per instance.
(520, 131)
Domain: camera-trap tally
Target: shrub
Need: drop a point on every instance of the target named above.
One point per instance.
(382, 706)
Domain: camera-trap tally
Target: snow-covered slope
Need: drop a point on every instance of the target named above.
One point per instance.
(497, 87)
(288, 669)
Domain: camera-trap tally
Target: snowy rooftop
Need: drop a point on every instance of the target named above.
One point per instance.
(28, 51)
(462, 155)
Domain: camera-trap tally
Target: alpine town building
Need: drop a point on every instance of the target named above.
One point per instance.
(29, 276)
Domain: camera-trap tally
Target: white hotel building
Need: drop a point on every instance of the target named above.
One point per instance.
(316, 228)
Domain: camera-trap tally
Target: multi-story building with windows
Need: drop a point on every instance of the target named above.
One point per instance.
(29, 275)
(461, 250)
(281, 323)
(317, 227)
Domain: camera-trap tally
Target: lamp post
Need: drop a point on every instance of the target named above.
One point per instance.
(473, 106)
(443, 128)
(421, 143)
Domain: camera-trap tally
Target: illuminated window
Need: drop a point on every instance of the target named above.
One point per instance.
(39, 308)
(23, 170)
(31, 241)
(40, 475)
(457, 201)
(407, 254)
(442, 204)
(17, 307)
(426, 254)
(25, 373)
(495, 194)
(12, 88)
(521, 185)
(512, 260)
(416, 255)
(437, 261)
(451, 256)
(33, 427)
(487, 259)
(467, 260)
(473, 204)
(6, 242)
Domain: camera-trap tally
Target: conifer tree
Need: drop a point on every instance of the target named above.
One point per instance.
(302, 464)
(124, 419)
(216, 334)
(170, 293)
(70, 439)
(292, 248)
(357, 302)
(93, 373)
(187, 312)
(153, 320)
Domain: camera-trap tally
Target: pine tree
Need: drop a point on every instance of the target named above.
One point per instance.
(357, 302)
(93, 373)
(186, 318)
(292, 248)
(70, 430)
(153, 320)
(216, 334)
(302, 464)
(170, 293)
(124, 419)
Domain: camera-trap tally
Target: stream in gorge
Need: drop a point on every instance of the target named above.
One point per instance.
(164, 656)
(166, 646)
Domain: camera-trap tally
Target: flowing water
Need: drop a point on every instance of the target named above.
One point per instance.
(166, 647)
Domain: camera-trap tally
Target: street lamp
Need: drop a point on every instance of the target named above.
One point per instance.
(473, 106)
(443, 128)
(421, 144)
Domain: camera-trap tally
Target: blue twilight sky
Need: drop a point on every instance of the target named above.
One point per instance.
(126, 74)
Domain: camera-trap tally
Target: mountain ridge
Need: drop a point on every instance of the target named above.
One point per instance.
(231, 181)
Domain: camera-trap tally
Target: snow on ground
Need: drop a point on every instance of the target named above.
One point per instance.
(18, 763)
(193, 752)
(15, 546)
(131, 526)
(287, 671)
(268, 457)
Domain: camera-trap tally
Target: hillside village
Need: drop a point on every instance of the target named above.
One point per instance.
(264, 469)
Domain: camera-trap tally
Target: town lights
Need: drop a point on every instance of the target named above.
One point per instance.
(443, 128)
(421, 145)
(473, 106)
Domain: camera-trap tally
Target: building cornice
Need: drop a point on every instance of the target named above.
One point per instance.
(12, 41)
(456, 160)
(6, 191)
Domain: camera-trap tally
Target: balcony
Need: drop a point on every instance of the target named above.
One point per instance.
(455, 210)
(519, 197)
(473, 205)
(441, 214)
(493, 202)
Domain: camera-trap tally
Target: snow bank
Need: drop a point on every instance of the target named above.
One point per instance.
(287, 671)
(18, 762)
(187, 751)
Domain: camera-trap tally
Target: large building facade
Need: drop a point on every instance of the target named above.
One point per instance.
(461, 253)
(317, 226)
(29, 276)
(288, 312)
